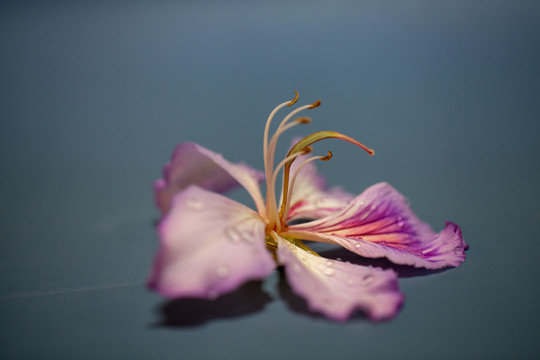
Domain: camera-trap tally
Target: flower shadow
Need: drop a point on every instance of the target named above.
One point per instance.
(191, 312)
(403, 271)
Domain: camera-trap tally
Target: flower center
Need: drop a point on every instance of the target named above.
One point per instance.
(275, 218)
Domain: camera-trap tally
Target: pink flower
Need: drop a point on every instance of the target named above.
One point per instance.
(210, 244)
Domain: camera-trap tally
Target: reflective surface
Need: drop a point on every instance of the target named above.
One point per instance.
(94, 97)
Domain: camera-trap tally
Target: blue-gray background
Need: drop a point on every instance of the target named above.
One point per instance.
(95, 95)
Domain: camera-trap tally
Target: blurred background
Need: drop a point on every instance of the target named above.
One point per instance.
(94, 95)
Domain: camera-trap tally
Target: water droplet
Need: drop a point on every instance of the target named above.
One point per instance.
(367, 278)
(246, 235)
(233, 234)
(358, 238)
(222, 272)
(401, 223)
(328, 271)
(361, 203)
(383, 243)
(419, 253)
(338, 259)
(357, 245)
(194, 204)
(329, 263)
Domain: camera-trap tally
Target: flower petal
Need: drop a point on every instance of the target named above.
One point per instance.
(192, 164)
(310, 198)
(338, 288)
(209, 245)
(379, 223)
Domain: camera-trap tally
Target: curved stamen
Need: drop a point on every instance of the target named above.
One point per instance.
(308, 141)
(286, 203)
(271, 149)
(267, 166)
(272, 210)
(273, 140)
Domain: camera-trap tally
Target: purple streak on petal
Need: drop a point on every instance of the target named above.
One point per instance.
(337, 288)
(209, 245)
(310, 197)
(192, 164)
(379, 223)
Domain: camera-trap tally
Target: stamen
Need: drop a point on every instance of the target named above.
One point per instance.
(327, 157)
(286, 203)
(306, 142)
(293, 101)
(303, 120)
(272, 210)
(267, 166)
(315, 104)
(269, 154)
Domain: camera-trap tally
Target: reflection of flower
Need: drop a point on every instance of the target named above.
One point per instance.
(210, 244)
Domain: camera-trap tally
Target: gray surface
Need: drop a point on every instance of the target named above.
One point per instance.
(95, 95)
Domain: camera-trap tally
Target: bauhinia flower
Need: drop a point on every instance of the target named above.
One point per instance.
(210, 244)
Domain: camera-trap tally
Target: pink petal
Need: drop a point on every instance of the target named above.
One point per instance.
(379, 223)
(209, 245)
(310, 197)
(192, 164)
(337, 288)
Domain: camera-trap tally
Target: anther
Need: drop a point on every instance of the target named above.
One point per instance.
(327, 157)
(303, 120)
(293, 101)
(315, 104)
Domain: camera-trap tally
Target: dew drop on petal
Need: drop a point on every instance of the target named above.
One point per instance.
(194, 204)
(357, 245)
(233, 234)
(328, 271)
(246, 235)
(383, 243)
(367, 278)
(329, 263)
(222, 272)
